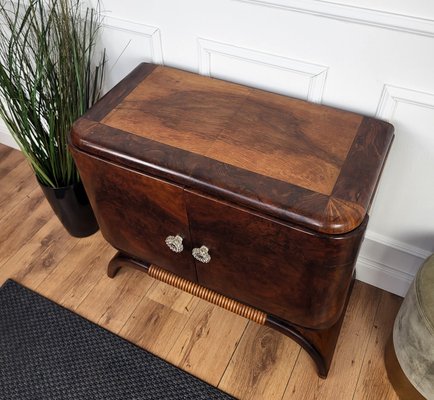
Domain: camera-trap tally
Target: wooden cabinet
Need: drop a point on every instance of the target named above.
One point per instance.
(251, 200)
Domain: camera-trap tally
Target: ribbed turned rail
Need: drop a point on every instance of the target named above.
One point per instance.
(207, 294)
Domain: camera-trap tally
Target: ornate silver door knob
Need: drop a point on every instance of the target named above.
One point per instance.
(174, 243)
(201, 254)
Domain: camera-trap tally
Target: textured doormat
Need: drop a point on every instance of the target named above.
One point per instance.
(48, 352)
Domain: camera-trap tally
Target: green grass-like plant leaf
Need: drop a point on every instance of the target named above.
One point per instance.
(49, 77)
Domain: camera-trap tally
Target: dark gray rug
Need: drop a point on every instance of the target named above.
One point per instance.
(48, 352)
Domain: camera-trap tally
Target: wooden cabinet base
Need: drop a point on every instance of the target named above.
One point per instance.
(121, 260)
(318, 343)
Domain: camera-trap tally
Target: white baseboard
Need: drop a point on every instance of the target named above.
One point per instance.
(388, 264)
(6, 138)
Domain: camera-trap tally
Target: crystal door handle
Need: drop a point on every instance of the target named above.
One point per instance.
(174, 243)
(201, 254)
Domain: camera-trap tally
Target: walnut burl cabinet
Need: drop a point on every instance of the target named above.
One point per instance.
(251, 200)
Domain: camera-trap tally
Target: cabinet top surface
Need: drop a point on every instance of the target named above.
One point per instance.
(306, 163)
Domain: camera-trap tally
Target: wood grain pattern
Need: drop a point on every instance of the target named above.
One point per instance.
(136, 213)
(261, 365)
(373, 382)
(18, 181)
(111, 302)
(118, 93)
(320, 344)
(207, 295)
(69, 284)
(299, 276)
(36, 214)
(225, 136)
(358, 357)
(242, 127)
(40, 254)
(276, 198)
(199, 348)
(159, 318)
(374, 138)
(9, 160)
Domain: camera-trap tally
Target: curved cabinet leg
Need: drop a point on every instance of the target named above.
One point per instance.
(122, 260)
(320, 344)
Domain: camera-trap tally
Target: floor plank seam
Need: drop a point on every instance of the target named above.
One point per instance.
(185, 324)
(232, 355)
(133, 311)
(292, 372)
(367, 345)
(56, 266)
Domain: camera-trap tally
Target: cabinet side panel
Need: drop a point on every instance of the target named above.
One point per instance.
(297, 275)
(137, 212)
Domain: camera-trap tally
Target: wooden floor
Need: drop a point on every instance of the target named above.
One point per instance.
(244, 359)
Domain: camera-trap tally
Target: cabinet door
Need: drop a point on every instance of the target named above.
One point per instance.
(294, 274)
(136, 213)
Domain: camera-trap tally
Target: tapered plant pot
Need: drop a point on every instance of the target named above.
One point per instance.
(73, 209)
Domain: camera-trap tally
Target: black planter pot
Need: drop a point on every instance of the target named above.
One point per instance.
(72, 207)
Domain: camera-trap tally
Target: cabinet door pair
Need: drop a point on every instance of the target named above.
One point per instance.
(286, 271)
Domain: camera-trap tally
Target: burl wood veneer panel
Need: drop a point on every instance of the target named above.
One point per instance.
(304, 163)
(265, 133)
(136, 213)
(298, 275)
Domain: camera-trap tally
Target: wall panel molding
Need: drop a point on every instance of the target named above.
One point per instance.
(386, 262)
(150, 32)
(353, 14)
(393, 95)
(316, 74)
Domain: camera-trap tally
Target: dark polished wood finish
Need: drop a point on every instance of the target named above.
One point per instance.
(319, 344)
(276, 188)
(122, 260)
(136, 213)
(299, 275)
(288, 158)
(119, 92)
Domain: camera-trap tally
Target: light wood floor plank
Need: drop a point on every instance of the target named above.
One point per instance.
(15, 186)
(373, 383)
(75, 276)
(9, 160)
(111, 302)
(207, 342)
(20, 225)
(35, 260)
(262, 364)
(156, 324)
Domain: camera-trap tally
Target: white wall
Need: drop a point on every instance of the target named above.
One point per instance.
(377, 60)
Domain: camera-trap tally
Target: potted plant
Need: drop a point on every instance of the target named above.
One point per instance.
(49, 78)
